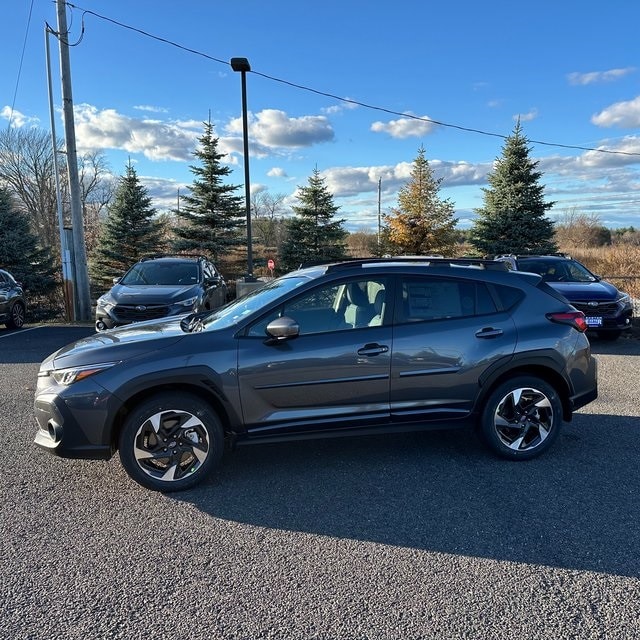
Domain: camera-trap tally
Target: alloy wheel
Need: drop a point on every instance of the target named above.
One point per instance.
(171, 445)
(524, 419)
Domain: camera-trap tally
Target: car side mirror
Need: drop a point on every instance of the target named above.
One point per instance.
(116, 280)
(283, 328)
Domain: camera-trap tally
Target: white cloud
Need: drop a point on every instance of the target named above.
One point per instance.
(621, 114)
(274, 128)
(527, 117)
(16, 118)
(151, 108)
(594, 77)
(405, 127)
(156, 140)
(342, 106)
(351, 181)
(277, 172)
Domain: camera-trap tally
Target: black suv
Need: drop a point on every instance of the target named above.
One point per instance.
(358, 347)
(13, 305)
(155, 288)
(608, 312)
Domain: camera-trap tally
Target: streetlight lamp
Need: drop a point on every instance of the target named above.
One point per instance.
(242, 65)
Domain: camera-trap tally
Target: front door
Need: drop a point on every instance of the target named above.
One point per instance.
(334, 375)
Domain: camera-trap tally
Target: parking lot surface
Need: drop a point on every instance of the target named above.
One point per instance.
(414, 536)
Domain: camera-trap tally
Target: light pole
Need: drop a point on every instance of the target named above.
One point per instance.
(242, 65)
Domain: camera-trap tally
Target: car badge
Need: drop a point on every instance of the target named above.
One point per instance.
(141, 307)
(592, 303)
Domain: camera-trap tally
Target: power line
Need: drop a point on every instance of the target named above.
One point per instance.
(24, 46)
(339, 98)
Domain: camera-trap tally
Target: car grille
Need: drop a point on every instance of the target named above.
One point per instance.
(602, 308)
(137, 313)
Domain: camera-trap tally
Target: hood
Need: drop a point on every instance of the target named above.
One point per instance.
(599, 290)
(122, 343)
(152, 294)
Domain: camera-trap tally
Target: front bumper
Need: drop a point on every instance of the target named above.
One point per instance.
(74, 423)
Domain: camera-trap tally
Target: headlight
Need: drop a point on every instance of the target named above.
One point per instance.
(68, 376)
(623, 298)
(106, 302)
(189, 302)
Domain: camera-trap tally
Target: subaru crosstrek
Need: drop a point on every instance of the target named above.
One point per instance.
(156, 288)
(357, 347)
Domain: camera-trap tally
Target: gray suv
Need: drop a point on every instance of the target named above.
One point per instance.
(13, 305)
(159, 287)
(357, 347)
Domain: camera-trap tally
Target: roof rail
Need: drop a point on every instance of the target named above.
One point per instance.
(479, 263)
(173, 255)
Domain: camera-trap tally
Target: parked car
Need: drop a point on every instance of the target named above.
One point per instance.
(357, 347)
(607, 310)
(13, 304)
(155, 288)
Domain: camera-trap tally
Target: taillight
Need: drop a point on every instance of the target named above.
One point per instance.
(574, 318)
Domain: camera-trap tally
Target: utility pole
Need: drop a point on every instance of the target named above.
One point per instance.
(379, 212)
(83, 296)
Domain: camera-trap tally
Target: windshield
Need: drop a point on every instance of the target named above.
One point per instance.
(235, 311)
(161, 273)
(557, 270)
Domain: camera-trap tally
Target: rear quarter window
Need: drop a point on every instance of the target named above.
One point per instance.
(508, 297)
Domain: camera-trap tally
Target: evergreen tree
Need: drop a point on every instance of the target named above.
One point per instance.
(130, 232)
(422, 223)
(20, 254)
(213, 215)
(513, 219)
(313, 235)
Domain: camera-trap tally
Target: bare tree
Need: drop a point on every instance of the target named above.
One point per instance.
(27, 171)
(576, 229)
(97, 186)
(267, 212)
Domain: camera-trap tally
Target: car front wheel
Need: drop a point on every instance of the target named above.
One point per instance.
(521, 418)
(171, 442)
(16, 316)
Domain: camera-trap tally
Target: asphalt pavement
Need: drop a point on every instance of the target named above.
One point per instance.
(413, 536)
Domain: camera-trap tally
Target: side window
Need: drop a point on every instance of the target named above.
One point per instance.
(441, 298)
(337, 307)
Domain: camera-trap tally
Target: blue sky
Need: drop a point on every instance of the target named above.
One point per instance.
(569, 70)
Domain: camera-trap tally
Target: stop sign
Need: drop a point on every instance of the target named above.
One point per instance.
(271, 264)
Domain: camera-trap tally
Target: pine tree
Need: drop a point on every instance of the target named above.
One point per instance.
(130, 232)
(513, 219)
(213, 216)
(423, 223)
(313, 235)
(20, 254)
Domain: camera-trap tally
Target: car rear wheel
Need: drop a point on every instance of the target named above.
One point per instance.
(16, 316)
(521, 418)
(171, 442)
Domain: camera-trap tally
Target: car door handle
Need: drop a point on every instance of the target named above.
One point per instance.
(488, 332)
(372, 349)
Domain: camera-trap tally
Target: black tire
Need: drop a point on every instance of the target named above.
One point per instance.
(16, 316)
(171, 442)
(521, 418)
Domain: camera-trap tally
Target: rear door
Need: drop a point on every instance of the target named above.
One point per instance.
(448, 331)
